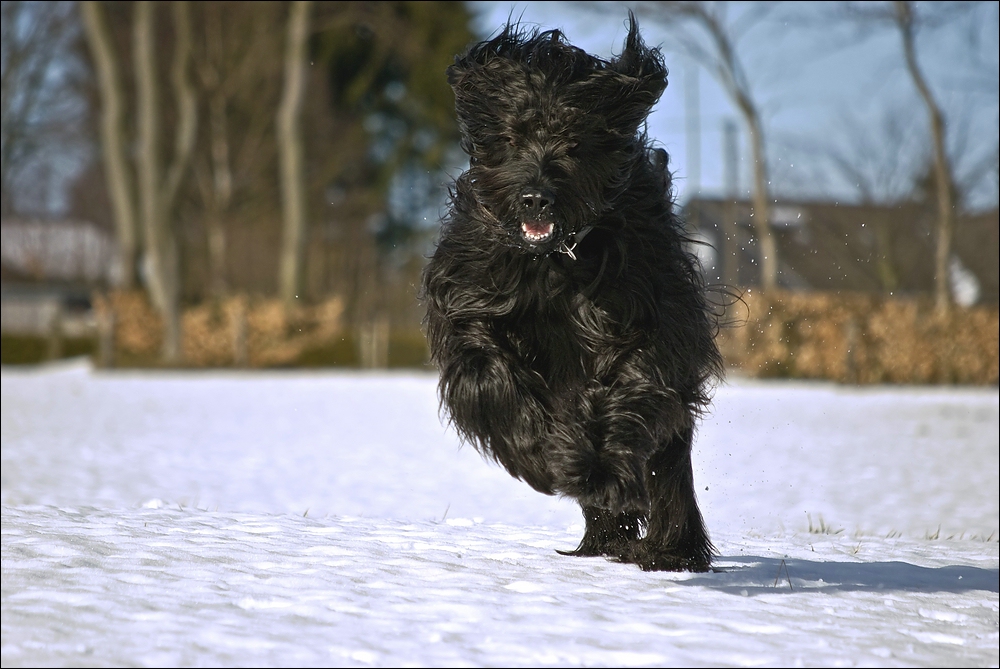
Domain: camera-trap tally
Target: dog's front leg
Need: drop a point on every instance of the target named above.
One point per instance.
(619, 422)
(494, 403)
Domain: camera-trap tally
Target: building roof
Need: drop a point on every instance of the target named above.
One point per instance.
(62, 250)
(839, 246)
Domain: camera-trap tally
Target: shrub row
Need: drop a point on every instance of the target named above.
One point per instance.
(249, 332)
(850, 338)
(860, 338)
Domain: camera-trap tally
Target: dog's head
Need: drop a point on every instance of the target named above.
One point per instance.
(552, 132)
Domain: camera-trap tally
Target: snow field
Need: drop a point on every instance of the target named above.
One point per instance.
(331, 519)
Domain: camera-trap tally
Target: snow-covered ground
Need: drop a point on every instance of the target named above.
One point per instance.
(331, 519)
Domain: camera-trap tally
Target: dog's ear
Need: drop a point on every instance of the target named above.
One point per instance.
(479, 79)
(470, 110)
(463, 81)
(642, 78)
(638, 60)
(457, 71)
(479, 55)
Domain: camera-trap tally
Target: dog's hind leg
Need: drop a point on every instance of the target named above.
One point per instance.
(676, 539)
(609, 534)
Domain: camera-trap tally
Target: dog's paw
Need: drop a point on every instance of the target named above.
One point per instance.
(650, 557)
(608, 534)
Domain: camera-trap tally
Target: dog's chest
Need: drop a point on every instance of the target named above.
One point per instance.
(554, 322)
(560, 340)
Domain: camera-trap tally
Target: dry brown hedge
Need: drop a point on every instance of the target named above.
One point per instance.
(850, 338)
(273, 335)
(861, 338)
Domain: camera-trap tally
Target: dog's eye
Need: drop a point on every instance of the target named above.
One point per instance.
(509, 139)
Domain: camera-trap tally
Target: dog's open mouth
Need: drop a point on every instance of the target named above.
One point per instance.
(537, 231)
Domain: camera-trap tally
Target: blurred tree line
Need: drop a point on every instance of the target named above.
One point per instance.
(289, 148)
(301, 150)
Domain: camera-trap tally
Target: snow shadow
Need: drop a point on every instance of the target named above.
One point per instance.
(748, 575)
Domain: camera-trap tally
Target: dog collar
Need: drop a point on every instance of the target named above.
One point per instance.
(577, 238)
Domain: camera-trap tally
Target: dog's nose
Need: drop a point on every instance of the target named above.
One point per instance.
(536, 200)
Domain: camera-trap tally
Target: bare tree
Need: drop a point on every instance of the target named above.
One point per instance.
(220, 193)
(290, 154)
(218, 188)
(879, 161)
(904, 18)
(906, 24)
(117, 172)
(718, 54)
(41, 110)
(156, 191)
(237, 59)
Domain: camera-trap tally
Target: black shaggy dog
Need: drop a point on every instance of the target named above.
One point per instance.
(569, 323)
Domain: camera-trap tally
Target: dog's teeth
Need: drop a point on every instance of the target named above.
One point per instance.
(536, 235)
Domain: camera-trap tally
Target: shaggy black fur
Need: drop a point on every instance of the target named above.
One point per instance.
(569, 323)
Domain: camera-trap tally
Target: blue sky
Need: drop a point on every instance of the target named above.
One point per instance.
(821, 87)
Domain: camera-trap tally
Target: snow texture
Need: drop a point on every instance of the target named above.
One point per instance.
(304, 519)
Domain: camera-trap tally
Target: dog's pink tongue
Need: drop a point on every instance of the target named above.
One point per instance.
(537, 229)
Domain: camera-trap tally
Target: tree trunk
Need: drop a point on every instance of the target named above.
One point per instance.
(761, 200)
(730, 75)
(148, 154)
(157, 193)
(217, 193)
(730, 228)
(116, 167)
(222, 191)
(290, 154)
(942, 170)
(187, 105)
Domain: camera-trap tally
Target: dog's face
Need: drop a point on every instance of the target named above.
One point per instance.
(550, 130)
